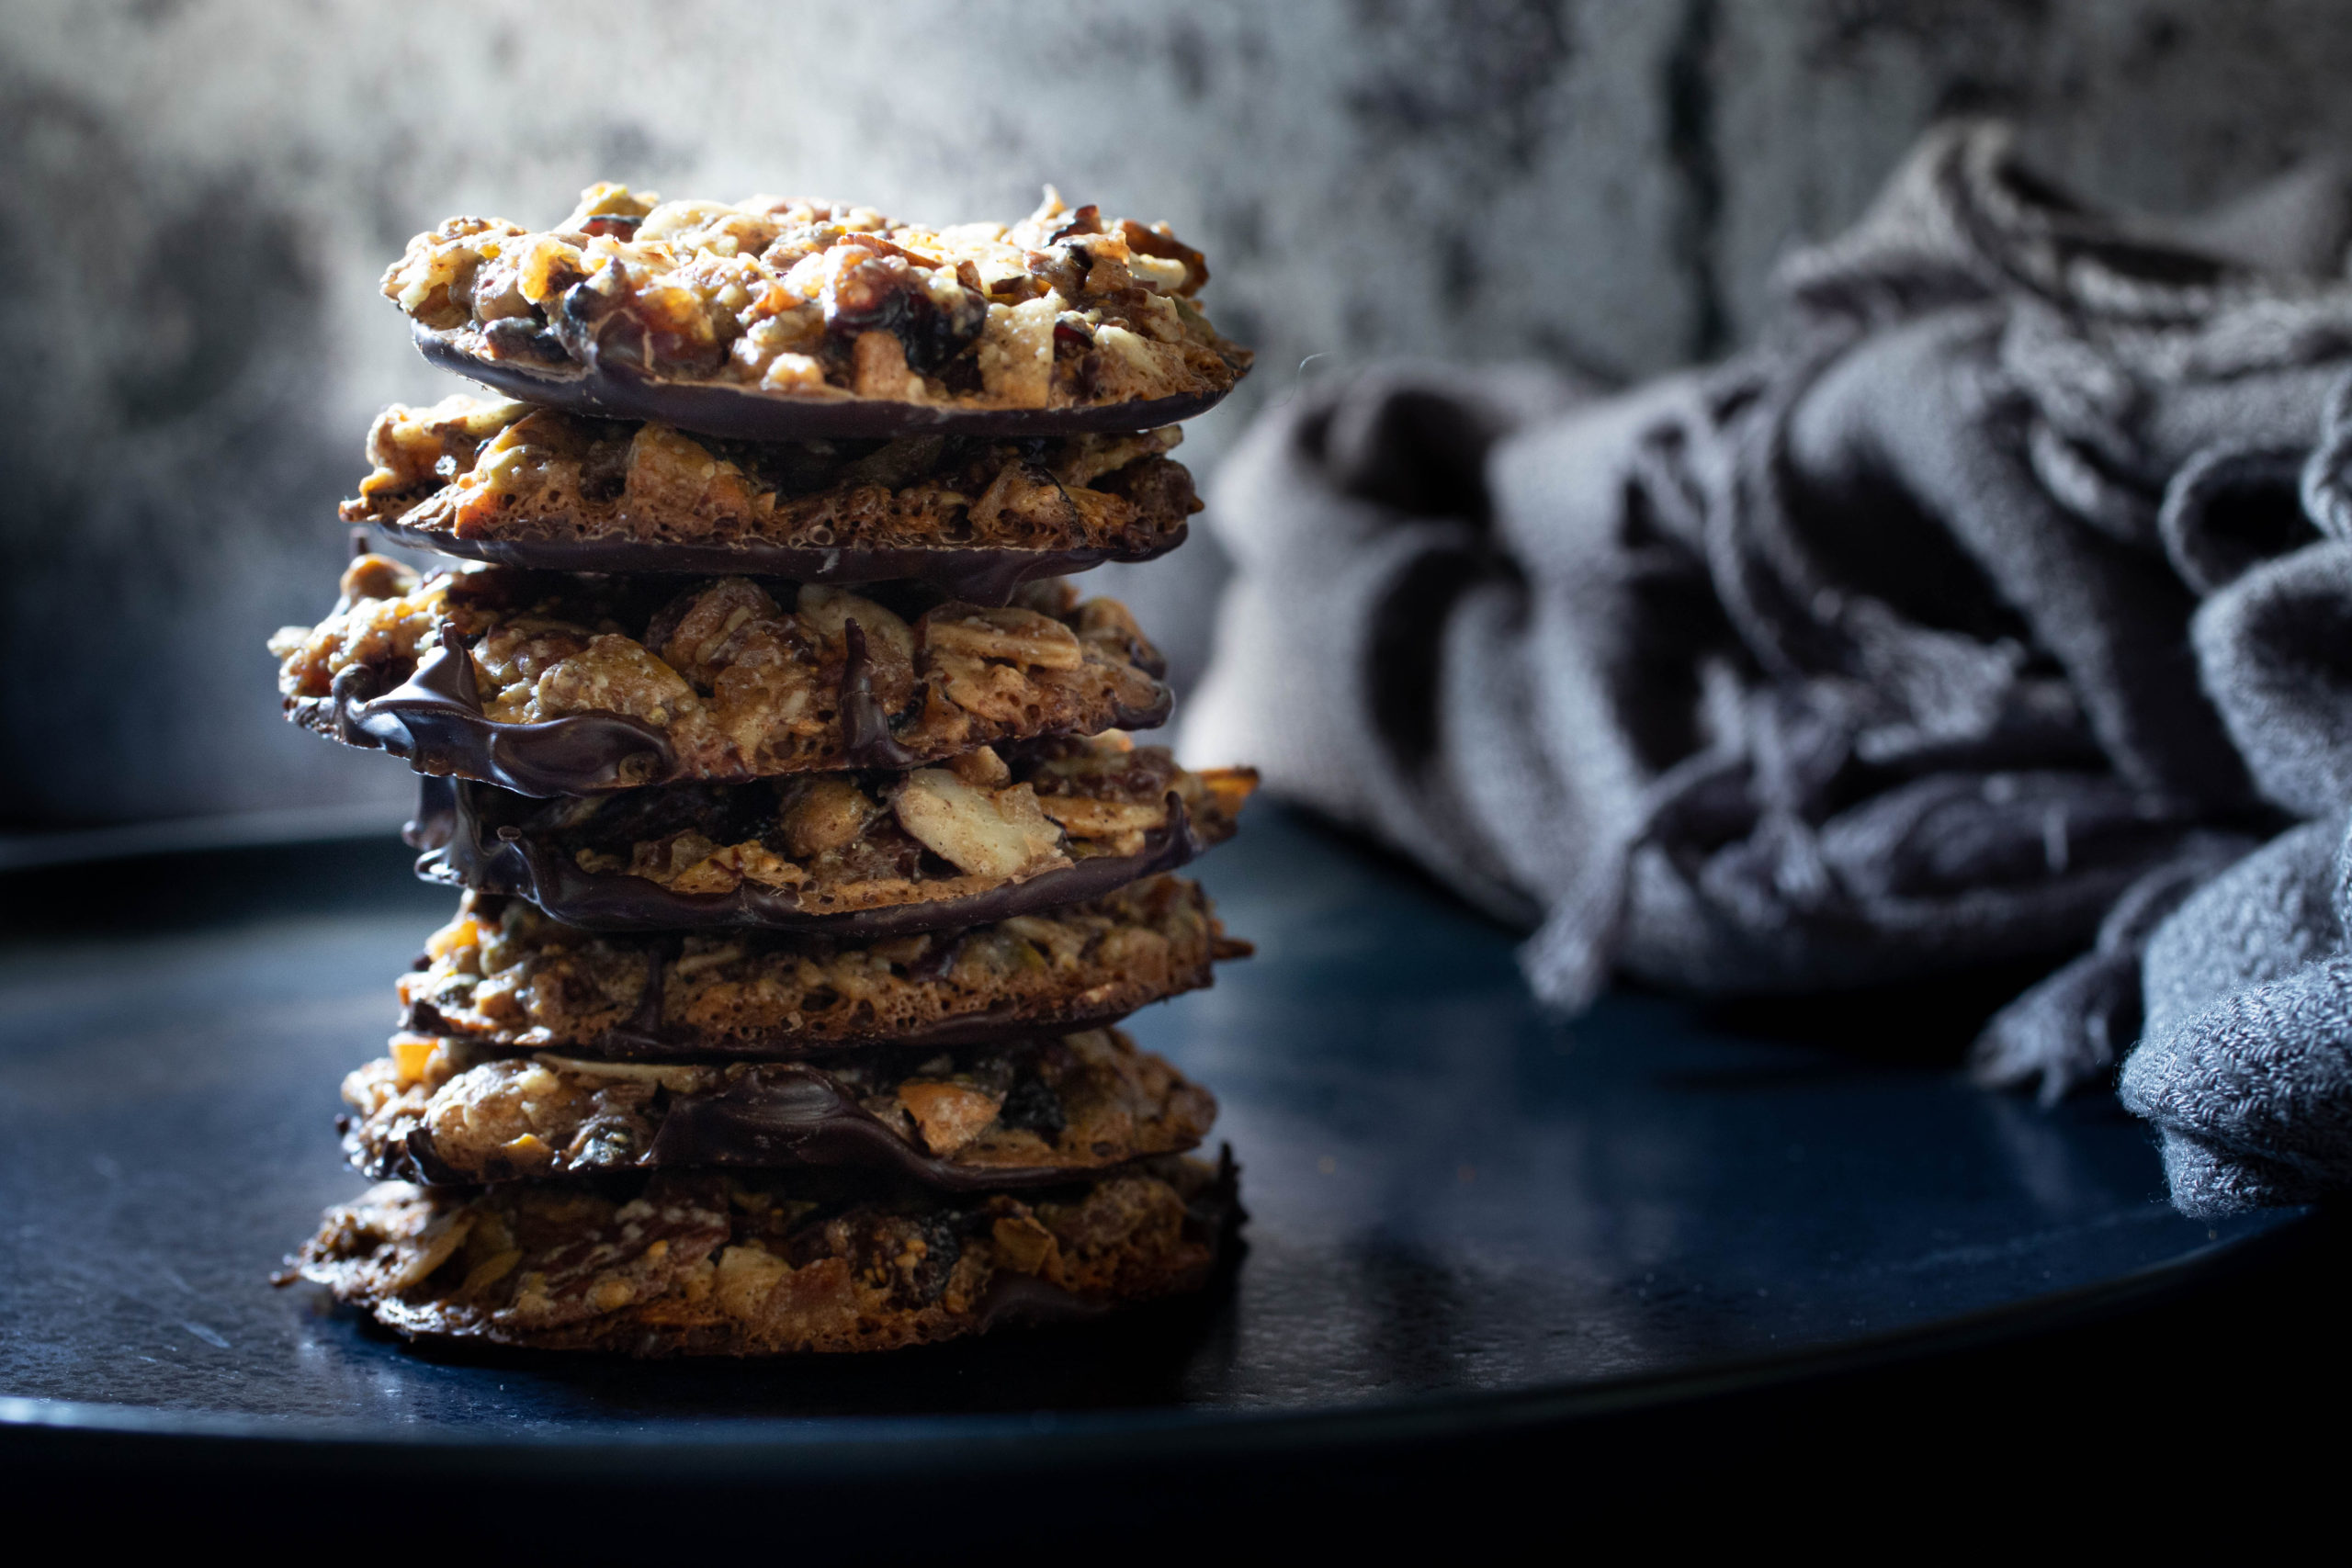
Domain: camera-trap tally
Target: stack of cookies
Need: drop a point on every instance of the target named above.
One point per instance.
(806, 863)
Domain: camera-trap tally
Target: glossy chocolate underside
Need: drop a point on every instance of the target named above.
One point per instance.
(776, 1115)
(612, 391)
(463, 849)
(433, 720)
(975, 576)
(645, 1035)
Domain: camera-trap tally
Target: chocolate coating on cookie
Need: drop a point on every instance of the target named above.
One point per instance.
(782, 318)
(678, 1263)
(788, 1113)
(463, 849)
(525, 485)
(434, 721)
(503, 977)
(1026, 1113)
(979, 577)
(582, 684)
(617, 391)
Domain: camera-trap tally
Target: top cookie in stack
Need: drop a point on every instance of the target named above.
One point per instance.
(759, 618)
(777, 320)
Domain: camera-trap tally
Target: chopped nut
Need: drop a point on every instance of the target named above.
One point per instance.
(713, 617)
(489, 1270)
(827, 612)
(677, 1080)
(1109, 622)
(613, 675)
(880, 361)
(1001, 834)
(981, 768)
(678, 476)
(949, 1115)
(746, 1276)
(827, 813)
(1083, 817)
(1016, 355)
(428, 1250)
(794, 373)
(1022, 637)
(377, 577)
(1024, 1244)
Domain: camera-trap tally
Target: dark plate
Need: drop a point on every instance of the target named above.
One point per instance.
(1465, 1217)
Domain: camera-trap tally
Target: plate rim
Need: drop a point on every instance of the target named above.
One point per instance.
(843, 1448)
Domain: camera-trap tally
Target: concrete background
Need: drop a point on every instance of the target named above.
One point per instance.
(202, 193)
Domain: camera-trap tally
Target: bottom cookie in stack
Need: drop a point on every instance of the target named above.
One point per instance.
(765, 1262)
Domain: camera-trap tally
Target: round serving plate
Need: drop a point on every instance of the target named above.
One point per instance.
(1465, 1216)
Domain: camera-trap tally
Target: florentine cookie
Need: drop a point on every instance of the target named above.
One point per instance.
(501, 974)
(1020, 1113)
(867, 855)
(558, 684)
(506, 482)
(739, 1264)
(781, 319)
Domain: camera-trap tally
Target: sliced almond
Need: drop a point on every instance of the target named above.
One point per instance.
(1084, 818)
(677, 1080)
(827, 612)
(1012, 634)
(998, 834)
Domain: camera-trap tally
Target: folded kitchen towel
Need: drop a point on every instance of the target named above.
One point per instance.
(2246, 1061)
(1865, 656)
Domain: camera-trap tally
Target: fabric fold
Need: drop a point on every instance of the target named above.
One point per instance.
(1875, 652)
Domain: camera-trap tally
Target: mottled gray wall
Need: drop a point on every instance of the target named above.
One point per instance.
(201, 193)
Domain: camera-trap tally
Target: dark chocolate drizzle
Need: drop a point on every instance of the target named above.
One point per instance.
(628, 1042)
(418, 1160)
(644, 1021)
(526, 867)
(789, 1113)
(867, 735)
(433, 720)
(609, 390)
(976, 576)
(778, 1116)
(646, 1035)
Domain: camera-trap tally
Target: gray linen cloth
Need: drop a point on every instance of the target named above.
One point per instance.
(2246, 1060)
(1862, 656)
